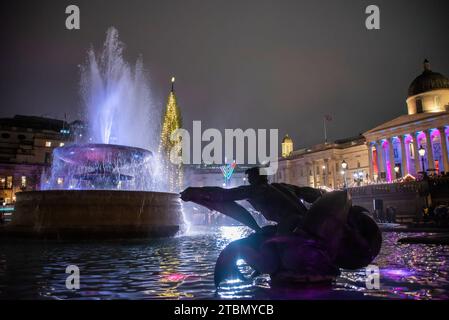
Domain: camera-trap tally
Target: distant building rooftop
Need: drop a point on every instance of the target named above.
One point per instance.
(337, 144)
(33, 122)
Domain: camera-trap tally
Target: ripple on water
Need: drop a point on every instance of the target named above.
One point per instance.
(183, 267)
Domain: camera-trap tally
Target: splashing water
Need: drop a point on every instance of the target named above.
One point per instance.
(117, 97)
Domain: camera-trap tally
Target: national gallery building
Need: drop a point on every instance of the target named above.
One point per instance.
(392, 150)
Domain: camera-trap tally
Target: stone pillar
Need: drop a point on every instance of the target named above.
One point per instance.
(391, 158)
(370, 160)
(314, 174)
(444, 149)
(334, 173)
(416, 153)
(326, 172)
(403, 156)
(380, 158)
(429, 151)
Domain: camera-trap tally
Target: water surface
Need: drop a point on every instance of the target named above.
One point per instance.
(182, 268)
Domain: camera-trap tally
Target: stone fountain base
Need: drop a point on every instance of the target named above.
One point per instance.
(85, 214)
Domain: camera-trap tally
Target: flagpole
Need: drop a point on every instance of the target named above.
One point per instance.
(325, 130)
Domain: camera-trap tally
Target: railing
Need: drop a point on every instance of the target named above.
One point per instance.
(378, 189)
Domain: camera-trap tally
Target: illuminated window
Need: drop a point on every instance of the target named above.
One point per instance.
(9, 182)
(48, 144)
(61, 144)
(24, 181)
(437, 101)
(60, 181)
(2, 183)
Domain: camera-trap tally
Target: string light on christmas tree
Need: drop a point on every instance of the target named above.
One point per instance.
(172, 121)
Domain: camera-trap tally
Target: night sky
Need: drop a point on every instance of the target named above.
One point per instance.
(238, 64)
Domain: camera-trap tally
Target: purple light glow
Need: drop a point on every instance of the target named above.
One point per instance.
(397, 273)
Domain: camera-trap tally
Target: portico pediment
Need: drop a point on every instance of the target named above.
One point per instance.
(407, 124)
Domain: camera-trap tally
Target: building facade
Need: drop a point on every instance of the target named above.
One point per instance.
(26, 147)
(322, 165)
(408, 145)
(418, 141)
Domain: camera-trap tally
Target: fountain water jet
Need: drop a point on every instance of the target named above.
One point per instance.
(108, 185)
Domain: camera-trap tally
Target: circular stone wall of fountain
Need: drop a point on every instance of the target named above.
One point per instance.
(83, 214)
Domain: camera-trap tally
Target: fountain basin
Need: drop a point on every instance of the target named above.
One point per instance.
(84, 214)
(101, 153)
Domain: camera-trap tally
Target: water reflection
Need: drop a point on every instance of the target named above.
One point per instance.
(182, 268)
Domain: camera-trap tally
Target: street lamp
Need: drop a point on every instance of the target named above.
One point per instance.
(344, 166)
(422, 153)
(396, 169)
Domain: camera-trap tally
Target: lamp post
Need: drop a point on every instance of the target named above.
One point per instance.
(422, 153)
(344, 166)
(396, 170)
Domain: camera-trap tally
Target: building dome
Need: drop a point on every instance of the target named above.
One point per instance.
(428, 81)
(287, 139)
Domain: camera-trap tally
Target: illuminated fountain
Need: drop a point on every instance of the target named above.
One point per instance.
(108, 184)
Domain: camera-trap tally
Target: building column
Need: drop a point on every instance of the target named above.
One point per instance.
(314, 174)
(370, 161)
(444, 150)
(326, 173)
(391, 158)
(416, 153)
(429, 151)
(334, 173)
(380, 159)
(404, 168)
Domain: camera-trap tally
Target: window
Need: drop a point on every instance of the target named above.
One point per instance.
(47, 157)
(412, 150)
(48, 144)
(9, 182)
(23, 182)
(61, 144)
(60, 181)
(437, 101)
(21, 137)
(419, 108)
(5, 135)
(2, 182)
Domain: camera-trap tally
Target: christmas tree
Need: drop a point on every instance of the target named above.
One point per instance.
(172, 121)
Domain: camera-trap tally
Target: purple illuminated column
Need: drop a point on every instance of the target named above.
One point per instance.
(370, 160)
(429, 151)
(444, 151)
(415, 153)
(380, 158)
(391, 159)
(404, 167)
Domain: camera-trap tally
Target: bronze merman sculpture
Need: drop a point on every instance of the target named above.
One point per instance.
(306, 245)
